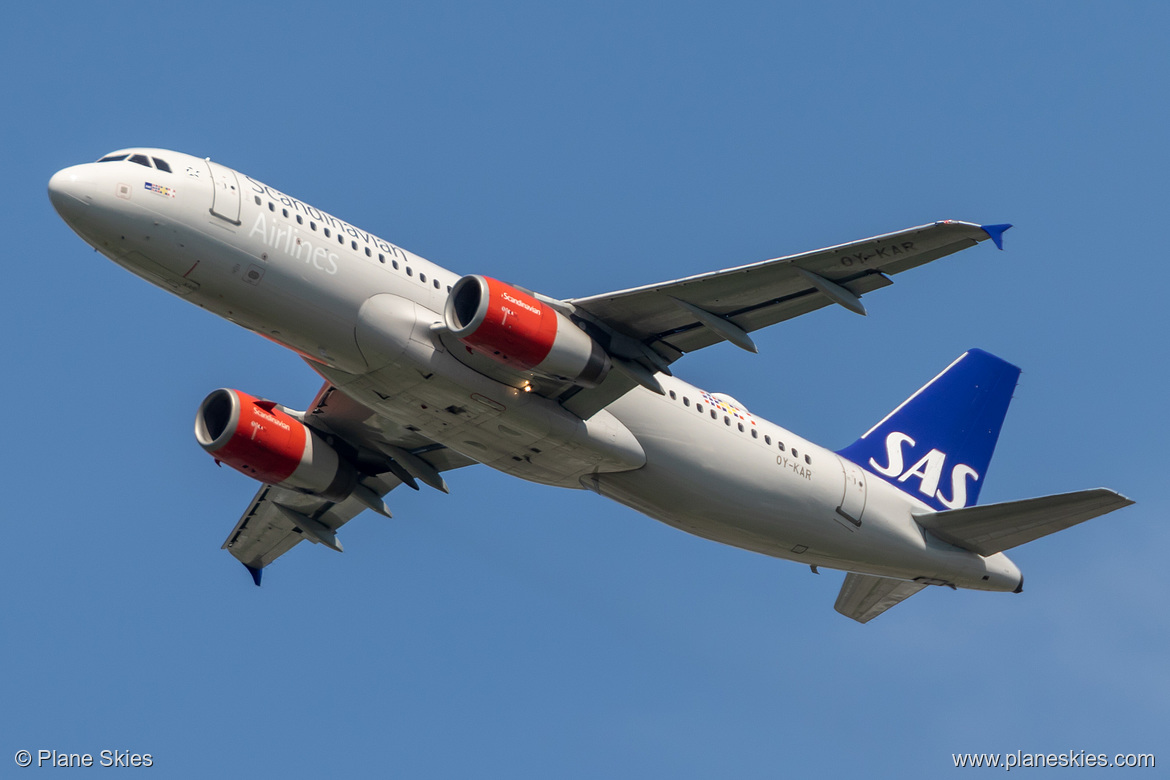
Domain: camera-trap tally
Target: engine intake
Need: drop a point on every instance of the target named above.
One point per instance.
(263, 442)
(514, 328)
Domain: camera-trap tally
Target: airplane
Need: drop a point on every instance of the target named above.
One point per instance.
(426, 371)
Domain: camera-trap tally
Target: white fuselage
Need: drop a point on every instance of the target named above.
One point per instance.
(362, 311)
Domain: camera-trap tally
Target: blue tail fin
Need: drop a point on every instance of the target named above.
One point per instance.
(936, 446)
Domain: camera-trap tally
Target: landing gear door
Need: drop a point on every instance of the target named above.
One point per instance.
(225, 199)
(853, 499)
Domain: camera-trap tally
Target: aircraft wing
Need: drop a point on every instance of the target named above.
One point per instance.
(864, 596)
(278, 518)
(761, 294)
(679, 316)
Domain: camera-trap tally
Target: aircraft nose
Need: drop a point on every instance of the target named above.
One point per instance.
(71, 190)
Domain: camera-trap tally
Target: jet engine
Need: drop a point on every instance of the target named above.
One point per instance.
(267, 444)
(514, 328)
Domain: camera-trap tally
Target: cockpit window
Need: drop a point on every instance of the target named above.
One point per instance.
(113, 157)
(161, 164)
(141, 159)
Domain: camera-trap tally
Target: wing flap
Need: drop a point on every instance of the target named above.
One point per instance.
(803, 300)
(265, 532)
(262, 534)
(997, 527)
(864, 596)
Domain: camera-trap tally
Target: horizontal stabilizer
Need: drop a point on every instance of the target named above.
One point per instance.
(998, 527)
(864, 596)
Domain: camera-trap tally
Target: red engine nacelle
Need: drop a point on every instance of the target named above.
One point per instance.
(516, 329)
(257, 439)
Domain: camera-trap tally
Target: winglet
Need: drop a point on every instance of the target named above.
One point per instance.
(995, 232)
(255, 573)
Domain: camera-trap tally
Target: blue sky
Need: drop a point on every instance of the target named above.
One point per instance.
(512, 630)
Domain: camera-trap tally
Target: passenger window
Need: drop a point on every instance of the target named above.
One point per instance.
(368, 252)
(767, 439)
(780, 445)
(794, 453)
(300, 220)
(271, 206)
(755, 434)
(422, 278)
(699, 408)
(409, 272)
(436, 283)
(673, 396)
(326, 232)
(140, 159)
(312, 225)
(808, 460)
(395, 264)
(161, 164)
(353, 245)
(741, 428)
(714, 416)
(258, 203)
(686, 401)
(727, 421)
(341, 239)
(284, 212)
